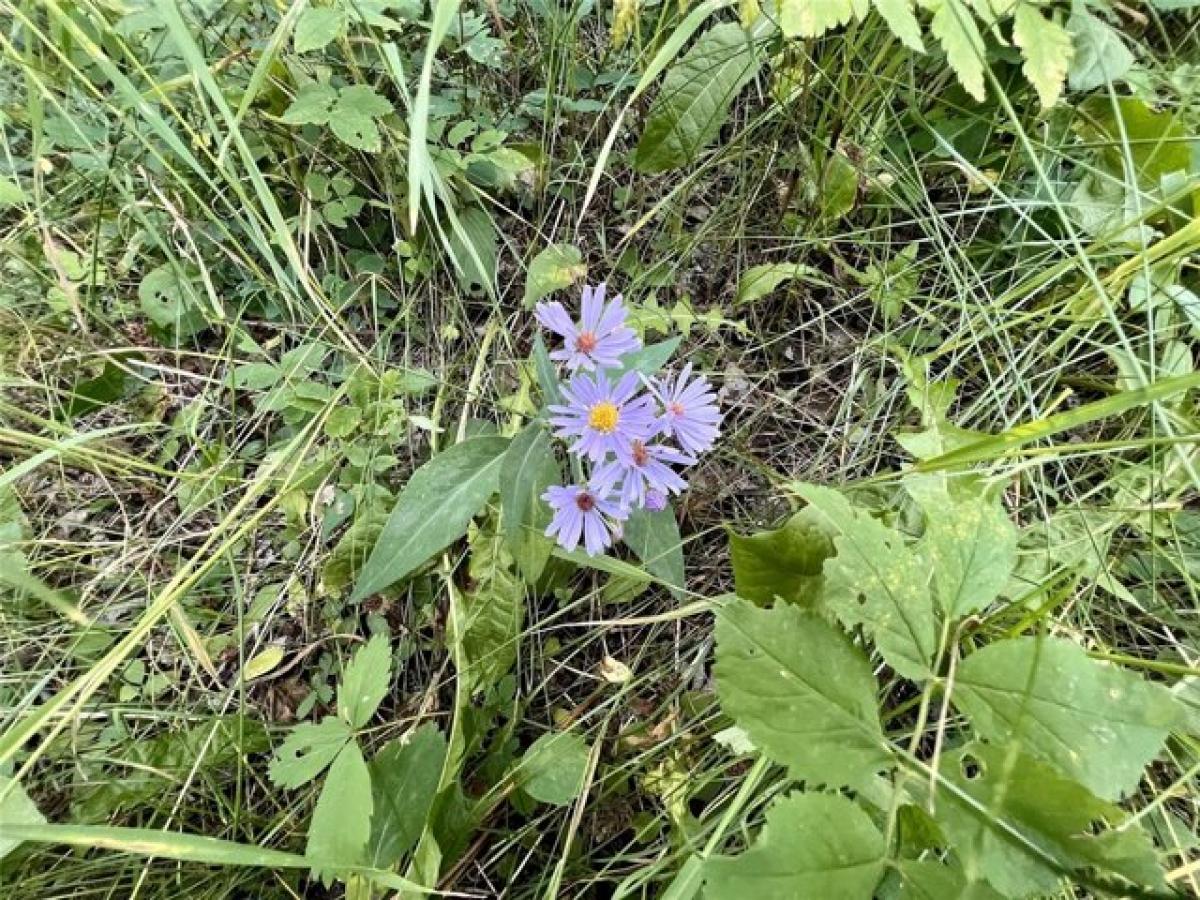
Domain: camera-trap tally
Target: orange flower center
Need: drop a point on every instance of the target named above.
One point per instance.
(586, 342)
(676, 408)
(604, 417)
(640, 454)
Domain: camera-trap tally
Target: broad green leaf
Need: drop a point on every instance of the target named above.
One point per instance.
(10, 193)
(491, 609)
(433, 511)
(313, 105)
(365, 682)
(529, 467)
(695, 98)
(812, 845)
(553, 768)
(343, 421)
(15, 809)
(900, 19)
(931, 880)
(839, 187)
(170, 301)
(1017, 823)
(353, 119)
(319, 26)
(404, 781)
(970, 544)
(1101, 57)
(812, 18)
(801, 690)
(759, 281)
(1096, 722)
(1156, 142)
(654, 538)
(878, 582)
(341, 822)
(785, 563)
(1047, 49)
(308, 749)
(558, 266)
(954, 27)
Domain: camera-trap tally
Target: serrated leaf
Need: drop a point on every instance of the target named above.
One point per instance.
(876, 581)
(404, 782)
(759, 281)
(558, 266)
(801, 690)
(812, 845)
(15, 809)
(812, 18)
(970, 544)
(553, 768)
(1047, 49)
(785, 563)
(529, 467)
(319, 26)
(653, 536)
(695, 98)
(312, 105)
(433, 511)
(1096, 722)
(491, 611)
(1017, 823)
(341, 822)
(306, 751)
(900, 19)
(956, 32)
(1101, 57)
(342, 421)
(353, 119)
(365, 682)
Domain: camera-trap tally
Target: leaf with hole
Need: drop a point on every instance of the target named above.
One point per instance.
(1017, 823)
(306, 751)
(1096, 722)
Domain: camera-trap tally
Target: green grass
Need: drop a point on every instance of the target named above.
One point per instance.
(175, 500)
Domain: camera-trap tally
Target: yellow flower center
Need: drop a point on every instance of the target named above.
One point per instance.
(604, 416)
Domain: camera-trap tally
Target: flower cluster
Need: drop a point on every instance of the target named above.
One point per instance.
(631, 434)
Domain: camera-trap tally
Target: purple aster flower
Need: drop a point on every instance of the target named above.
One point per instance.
(605, 418)
(647, 470)
(600, 337)
(690, 413)
(656, 501)
(586, 512)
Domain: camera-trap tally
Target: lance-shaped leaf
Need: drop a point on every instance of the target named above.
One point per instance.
(433, 511)
(529, 468)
